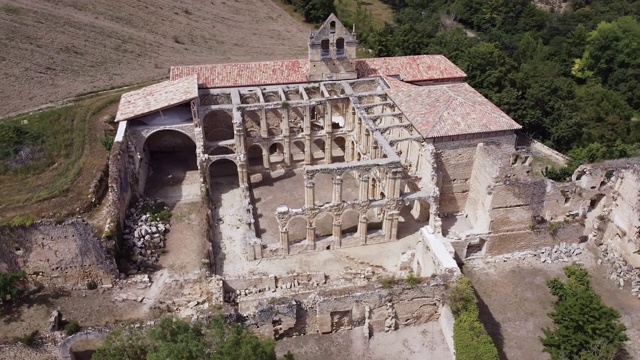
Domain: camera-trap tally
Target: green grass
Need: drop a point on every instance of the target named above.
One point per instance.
(60, 136)
(378, 12)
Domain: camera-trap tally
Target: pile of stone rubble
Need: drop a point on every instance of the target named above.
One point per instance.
(144, 236)
(620, 272)
(562, 252)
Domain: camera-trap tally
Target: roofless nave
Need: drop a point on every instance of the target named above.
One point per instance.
(369, 143)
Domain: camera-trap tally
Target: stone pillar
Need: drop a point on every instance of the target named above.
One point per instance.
(348, 150)
(337, 234)
(308, 154)
(364, 188)
(362, 229)
(287, 151)
(394, 226)
(328, 147)
(264, 128)
(284, 240)
(337, 189)
(386, 225)
(266, 160)
(311, 237)
(309, 196)
(243, 176)
(366, 142)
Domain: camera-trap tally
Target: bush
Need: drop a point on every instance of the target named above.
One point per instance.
(31, 339)
(584, 328)
(471, 340)
(158, 211)
(92, 285)
(72, 328)
(387, 282)
(23, 221)
(412, 280)
(11, 284)
(107, 142)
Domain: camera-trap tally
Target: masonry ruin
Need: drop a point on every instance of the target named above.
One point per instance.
(388, 158)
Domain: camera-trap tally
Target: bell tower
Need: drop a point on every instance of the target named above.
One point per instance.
(332, 52)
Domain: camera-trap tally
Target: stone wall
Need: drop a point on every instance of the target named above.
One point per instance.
(455, 163)
(65, 255)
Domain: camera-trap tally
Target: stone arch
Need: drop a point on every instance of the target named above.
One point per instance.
(222, 150)
(325, 49)
(249, 98)
(323, 224)
(349, 221)
(298, 150)
(323, 188)
(254, 155)
(350, 185)
(224, 171)
(251, 123)
(374, 219)
(297, 227)
(168, 157)
(317, 149)
(276, 152)
(274, 119)
(338, 149)
(340, 47)
(217, 125)
(296, 120)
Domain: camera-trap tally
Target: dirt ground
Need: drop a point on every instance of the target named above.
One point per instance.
(515, 302)
(52, 50)
(420, 342)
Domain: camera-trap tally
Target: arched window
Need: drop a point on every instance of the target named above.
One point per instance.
(340, 47)
(332, 27)
(326, 52)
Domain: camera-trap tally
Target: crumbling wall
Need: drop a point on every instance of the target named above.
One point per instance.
(455, 164)
(485, 170)
(434, 255)
(63, 255)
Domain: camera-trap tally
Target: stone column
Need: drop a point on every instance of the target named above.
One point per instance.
(309, 196)
(365, 143)
(348, 150)
(362, 229)
(394, 226)
(287, 151)
(311, 237)
(308, 154)
(337, 234)
(364, 188)
(242, 172)
(264, 128)
(328, 147)
(337, 189)
(386, 225)
(266, 160)
(284, 240)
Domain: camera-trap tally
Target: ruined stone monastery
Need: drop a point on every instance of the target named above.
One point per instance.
(408, 132)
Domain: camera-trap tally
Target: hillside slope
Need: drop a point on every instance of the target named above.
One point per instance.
(55, 49)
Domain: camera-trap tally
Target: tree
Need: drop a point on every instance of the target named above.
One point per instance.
(584, 328)
(178, 340)
(10, 284)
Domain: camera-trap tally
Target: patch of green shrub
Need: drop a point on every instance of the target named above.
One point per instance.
(471, 340)
(72, 328)
(107, 142)
(412, 280)
(92, 285)
(387, 282)
(11, 284)
(30, 339)
(158, 211)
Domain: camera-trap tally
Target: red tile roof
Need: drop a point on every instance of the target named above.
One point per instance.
(156, 97)
(410, 68)
(448, 109)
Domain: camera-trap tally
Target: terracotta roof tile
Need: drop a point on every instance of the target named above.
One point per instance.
(410, 68)
(448, 109)
(156, 97)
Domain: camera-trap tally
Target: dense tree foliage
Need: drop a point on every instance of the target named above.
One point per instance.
(572, 79)
(584, 327)
(314, 11)
(178, 340)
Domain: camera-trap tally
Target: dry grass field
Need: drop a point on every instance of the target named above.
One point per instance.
(55, 49)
